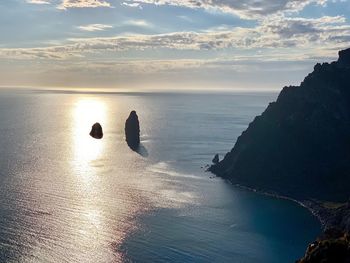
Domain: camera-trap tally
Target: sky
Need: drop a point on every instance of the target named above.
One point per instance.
(168, 44)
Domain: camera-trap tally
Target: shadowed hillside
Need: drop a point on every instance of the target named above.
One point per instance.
(300, 146)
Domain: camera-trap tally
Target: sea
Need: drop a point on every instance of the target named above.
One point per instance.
(67, 197)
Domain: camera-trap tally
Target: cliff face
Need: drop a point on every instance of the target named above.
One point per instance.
(328, 250)
(300, 145)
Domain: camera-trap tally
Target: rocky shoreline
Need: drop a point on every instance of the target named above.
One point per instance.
(325, 215)
(333, 243)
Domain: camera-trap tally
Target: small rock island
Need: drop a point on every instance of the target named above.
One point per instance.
(96, 131)
(132, 131)
(216, 159)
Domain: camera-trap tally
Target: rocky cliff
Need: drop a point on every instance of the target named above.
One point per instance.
(333, 249)
(300, 145)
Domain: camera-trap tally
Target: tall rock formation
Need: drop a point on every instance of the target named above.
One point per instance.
(132, 131)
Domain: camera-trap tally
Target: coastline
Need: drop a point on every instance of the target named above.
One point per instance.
(313, 206)
(333, 241)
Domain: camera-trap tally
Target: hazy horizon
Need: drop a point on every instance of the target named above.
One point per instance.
(136, 90)
(148, 44)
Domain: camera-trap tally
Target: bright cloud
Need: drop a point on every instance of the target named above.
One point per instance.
(131, 4)
(94, 27)
(274, 32)
(39, 2)
(83, 4)
(245, 9)
(66, 4)
(138, 23)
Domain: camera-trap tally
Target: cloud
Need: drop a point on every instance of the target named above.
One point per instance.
(131, 4)
(66, 4)
(302, 31)
(83, 4)
(94, 27)
(289, 27)
(250, 9)
(51, 53)
(276, 32)
(39, 2)
(245, 9)
(137, 23)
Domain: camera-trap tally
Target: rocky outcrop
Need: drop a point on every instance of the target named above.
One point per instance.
(216, 159)
(331, 215)
(96, 131)
(328, 249)
(339, 218)
(132, 131)
(334, 244)
(300, 146)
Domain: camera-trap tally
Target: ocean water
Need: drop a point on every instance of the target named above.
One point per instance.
(66, 197)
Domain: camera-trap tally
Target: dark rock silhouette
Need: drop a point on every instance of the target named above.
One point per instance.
(96, 131)
(344, 57)
(132, 131)
(300, 146)
(338, 217)
(328, 249)
(216, 159)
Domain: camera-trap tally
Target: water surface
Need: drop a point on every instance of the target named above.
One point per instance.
(66, 197)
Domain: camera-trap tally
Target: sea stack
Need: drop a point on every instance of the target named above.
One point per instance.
(132, 131)
(216, 159)
(96, 131)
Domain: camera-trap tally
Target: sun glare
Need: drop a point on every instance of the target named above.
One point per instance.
(85, 114)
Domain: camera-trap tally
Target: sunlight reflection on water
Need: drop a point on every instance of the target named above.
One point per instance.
(87, 151)
(67, 197)
(85, 113)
